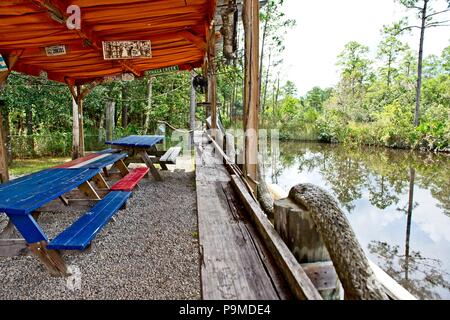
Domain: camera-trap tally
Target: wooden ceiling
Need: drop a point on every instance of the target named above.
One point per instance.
(177, 29)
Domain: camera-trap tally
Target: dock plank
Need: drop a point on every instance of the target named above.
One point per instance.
(233, 266)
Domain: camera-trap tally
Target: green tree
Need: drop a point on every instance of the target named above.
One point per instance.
(390, 50)
(316, 97)
(274, 27)
(426, 15)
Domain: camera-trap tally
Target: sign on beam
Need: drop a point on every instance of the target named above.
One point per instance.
(58, 50)
(3, 66)
(127, 49)
(156, 72)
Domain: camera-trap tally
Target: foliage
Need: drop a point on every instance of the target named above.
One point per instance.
(372, 106)
(38, 112)
(28, 166)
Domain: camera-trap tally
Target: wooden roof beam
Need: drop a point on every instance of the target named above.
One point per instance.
(127, 65)
(11, 61)
(198, 41)
(59, 8)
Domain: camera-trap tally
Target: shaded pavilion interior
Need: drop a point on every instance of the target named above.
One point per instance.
(177, 30)
(184, 34)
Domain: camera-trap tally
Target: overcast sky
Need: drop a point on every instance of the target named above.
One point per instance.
(325, 26)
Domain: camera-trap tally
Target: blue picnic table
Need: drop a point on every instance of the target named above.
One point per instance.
(143, 146)
(24, 195)
(20, 198)
(145, 142)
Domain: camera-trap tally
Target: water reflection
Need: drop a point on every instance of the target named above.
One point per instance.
(398, 202)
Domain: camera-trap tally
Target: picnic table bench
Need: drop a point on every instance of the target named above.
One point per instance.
(20, 198)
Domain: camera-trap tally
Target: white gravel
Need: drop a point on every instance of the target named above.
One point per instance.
(149, 252)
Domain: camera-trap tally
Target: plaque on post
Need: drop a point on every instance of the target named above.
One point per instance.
(127, 49)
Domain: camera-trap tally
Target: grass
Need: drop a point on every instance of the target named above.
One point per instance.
(21, 167)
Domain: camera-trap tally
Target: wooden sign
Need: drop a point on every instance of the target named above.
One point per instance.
(127, 49)
(155, 72)
(58, 50)
(3, 66)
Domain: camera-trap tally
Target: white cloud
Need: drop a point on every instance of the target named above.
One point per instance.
(325, 26)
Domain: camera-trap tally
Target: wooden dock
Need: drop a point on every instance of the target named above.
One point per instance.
(235, 263)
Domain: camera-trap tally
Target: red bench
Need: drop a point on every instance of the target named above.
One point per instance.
(130, 181)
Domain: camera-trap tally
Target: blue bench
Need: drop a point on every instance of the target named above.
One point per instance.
(80, 234)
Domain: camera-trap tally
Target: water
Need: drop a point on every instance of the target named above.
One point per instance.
(398, 203)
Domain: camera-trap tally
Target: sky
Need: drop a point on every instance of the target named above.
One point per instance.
(325, 26)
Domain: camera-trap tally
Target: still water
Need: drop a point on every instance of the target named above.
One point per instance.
(398, 203)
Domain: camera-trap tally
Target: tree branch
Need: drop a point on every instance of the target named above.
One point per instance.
(436, 23)
(414, 7)
(436, 13)
(439, 25)
(407, 28)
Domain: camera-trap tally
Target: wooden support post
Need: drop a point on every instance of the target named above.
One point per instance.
(4, 174)
(11, 60)
(193, 105)
(296, 228)
(212, 79)
(78, 149)
(81, 121)
(110, 113)
(250, 17)
(297, 280)
(205, 75)
(75, 130)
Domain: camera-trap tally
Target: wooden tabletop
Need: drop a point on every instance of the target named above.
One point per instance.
(28, 193)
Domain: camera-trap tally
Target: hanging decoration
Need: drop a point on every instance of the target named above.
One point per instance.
(127, 49)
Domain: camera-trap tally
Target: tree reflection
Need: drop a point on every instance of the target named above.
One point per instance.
(418, 274)
(381, 193)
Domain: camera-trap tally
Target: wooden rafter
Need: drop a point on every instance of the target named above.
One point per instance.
(198, 41)
(59, 7)
(11, 61)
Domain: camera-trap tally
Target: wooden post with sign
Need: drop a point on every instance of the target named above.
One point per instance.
(250, 17)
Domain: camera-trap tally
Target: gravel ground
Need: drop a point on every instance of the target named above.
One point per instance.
(149, 252)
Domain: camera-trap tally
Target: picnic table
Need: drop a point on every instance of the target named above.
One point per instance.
(24, 198)
(144, 147)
